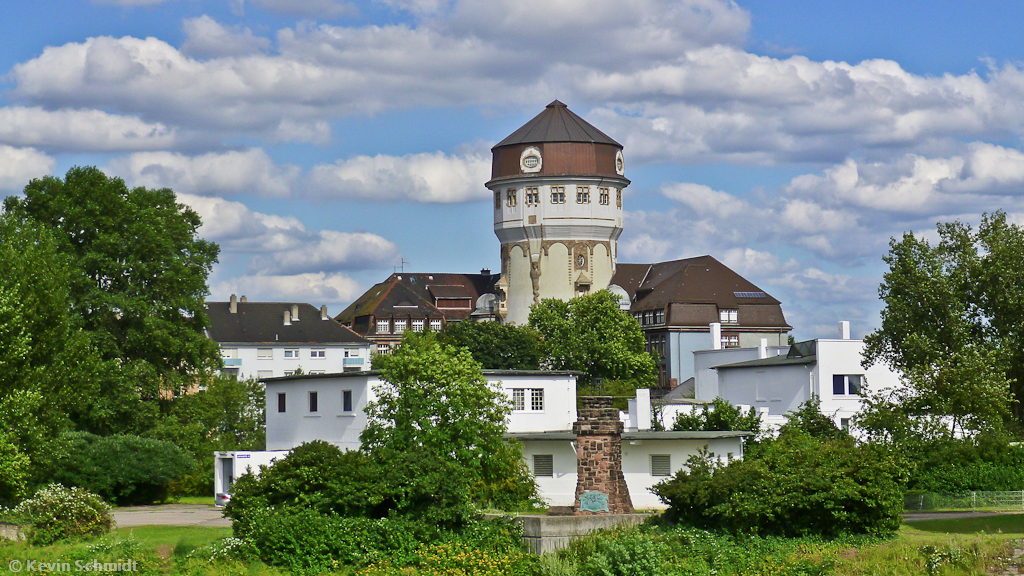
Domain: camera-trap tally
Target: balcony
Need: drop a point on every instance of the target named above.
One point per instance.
(232, 362)
(354, 361)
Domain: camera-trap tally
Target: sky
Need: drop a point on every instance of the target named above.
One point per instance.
(325, 142)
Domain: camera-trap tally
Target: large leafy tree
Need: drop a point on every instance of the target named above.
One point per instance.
(137, 281)
(592, 335)
(494, 345)
(953, 326)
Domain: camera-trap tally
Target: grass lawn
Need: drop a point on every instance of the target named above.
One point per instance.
(208, 500)
(996, 524)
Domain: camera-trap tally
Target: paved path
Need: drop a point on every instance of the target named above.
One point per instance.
(919, 516)
(170, 515)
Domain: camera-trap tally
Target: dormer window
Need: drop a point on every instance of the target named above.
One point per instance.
(383, 326)
(728, 315)
(531, 161)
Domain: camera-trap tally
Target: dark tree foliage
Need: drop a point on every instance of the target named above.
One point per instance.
(809, 419)
(720, 415)
(495, 346)
(953, 325)
(592, 335)
(137, 283)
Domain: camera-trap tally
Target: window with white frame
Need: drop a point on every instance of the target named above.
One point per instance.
(558, 194)
(661, 465)
(264, 353)
(263, 374)
(383, 349)
(291, 353)
(519, 399)
(532, 196)
(510, 197)
(318, 353)
(383, 326)
(435, 325)
(400, 326)
(659, 316)
(728, 315)
(847, 384)
(228, 353)
(543, 465)
(583, 195)
(537, 399)
(417, 325)
(730, 341)
(603, 196)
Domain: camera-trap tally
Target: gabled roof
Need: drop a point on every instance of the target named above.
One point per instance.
(263, 322)
(557, 124)
(701, 280)
(413, 295)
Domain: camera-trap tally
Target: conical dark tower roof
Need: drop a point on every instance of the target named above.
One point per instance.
(557, 124)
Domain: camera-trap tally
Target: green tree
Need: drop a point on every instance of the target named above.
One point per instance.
(592, 335)
(720, 415)
(808, 419)
(953, 325)
(434, 405)
(495, 346)
(137, 281)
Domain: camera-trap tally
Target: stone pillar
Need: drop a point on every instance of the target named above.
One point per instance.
(600, 485)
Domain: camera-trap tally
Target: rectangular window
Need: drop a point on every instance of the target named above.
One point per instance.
(730, 341)
(659, 316)
(383, 326)
(346, 400)
(583, 195)
(291, 353)
(497, 199)
(537, 399)
(282, 402)
(844, 424)
(518, 399)
(661, 465)
(312, 402)
(510, 197)
(558, 194)
(264, 353)
(383, 349)
(618, 198)
(261, 374)
(229, 353)
(435, 325)
(289, 372)
(603, 197)
(543, 465)
(728, 316)
(846, 384)
(318, 353)
(532, 196)
(417, 325)
(399, 326)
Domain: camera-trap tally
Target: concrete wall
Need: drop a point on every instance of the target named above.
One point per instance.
(636, 463)
(704, 362)
(844, 357)
(780, 389)
(239, 462)
(241, 359)
(559, 489)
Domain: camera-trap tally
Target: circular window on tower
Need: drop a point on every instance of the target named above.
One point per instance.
(530, 160)
(620, 167)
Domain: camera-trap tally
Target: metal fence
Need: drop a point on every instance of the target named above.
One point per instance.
(967, 501)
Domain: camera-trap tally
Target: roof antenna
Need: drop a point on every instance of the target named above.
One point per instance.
(404, 262)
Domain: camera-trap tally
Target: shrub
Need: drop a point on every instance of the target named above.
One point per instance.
(55, 513)
(122, 468)
(797, 486)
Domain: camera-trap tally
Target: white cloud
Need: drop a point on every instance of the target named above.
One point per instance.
(332, 251)
(308, 8)
(205, 37)
(19, 165)
(217, 173)
(81, 130)
(316, 288)
(706, 201)
(425, 177)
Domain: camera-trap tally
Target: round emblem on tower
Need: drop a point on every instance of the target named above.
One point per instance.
(620, 166)
(530, 160)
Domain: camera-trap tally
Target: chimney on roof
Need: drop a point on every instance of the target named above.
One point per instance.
(295, 312)
(287, 318)
(243, 299)
(234, 304)
(485, 271)
(844, 330)
(762, 349)
(323, 313)
(716, 335)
